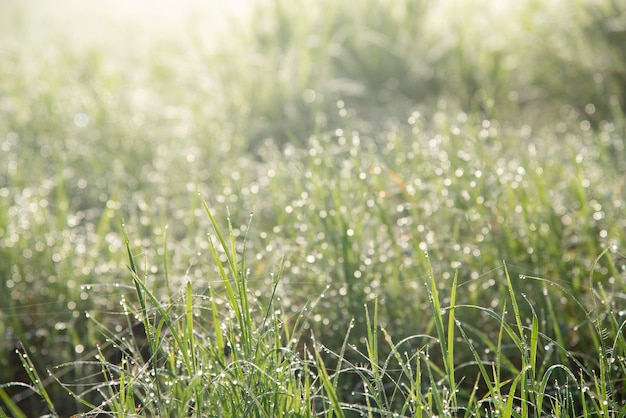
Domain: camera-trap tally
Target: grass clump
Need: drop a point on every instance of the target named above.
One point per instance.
(438, 213)
(209, 354)
(223, 352)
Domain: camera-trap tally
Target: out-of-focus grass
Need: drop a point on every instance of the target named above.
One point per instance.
(372, 142)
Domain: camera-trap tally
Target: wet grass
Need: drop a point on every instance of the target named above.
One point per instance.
(382, 209)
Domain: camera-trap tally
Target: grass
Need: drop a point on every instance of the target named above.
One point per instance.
(382, 209)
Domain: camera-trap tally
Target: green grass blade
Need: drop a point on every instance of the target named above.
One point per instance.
(15, 411)
(133, 269)
(479, 361)
(164, 317)
(220, 237)
(33, 375)
(329, 386)
(166, 273)
(438, 318)
(450, 354)
(542, 392)
(508, 405)
(190, 347)
(373, 356)
(234, 264)
(341, 357)
(516, 310)
(217, 328)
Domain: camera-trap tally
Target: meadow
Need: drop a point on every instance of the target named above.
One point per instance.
(383, 208)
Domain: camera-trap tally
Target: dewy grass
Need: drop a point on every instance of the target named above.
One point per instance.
(363, 137)
(243, 367)
(190, 372)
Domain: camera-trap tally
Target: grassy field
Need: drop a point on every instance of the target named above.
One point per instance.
(382, 208)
